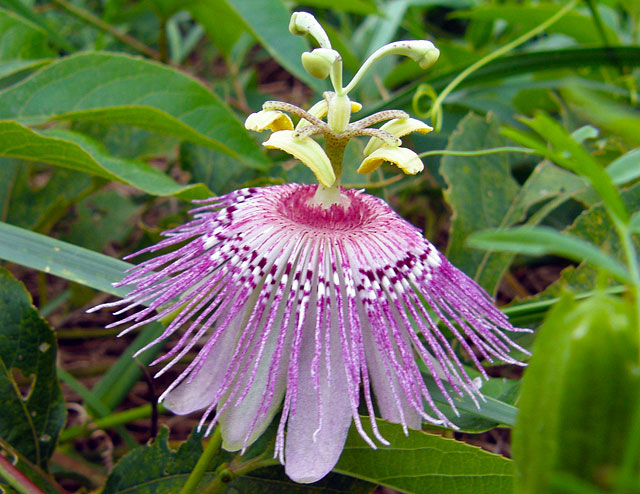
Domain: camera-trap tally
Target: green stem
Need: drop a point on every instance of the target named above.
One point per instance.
(630, 253)
(227, 475)
(479, 152)
(212, 448)
(109, 421)
(16, 479)
(435, 108)
(98, 23)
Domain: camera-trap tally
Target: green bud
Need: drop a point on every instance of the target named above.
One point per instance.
(319, 62)
(303, 23)
(578, 396)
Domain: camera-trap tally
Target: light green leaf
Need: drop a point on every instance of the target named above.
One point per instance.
(77, 152)
(541, 241)
(425, 463)
(634, 224)
(580, 161)
(20, 39)
(221, 23)
(61, 259)
(114, 88)
(626, 168)
(33, 409)
(15, 67)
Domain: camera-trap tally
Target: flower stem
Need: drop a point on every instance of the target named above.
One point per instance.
(479, 152)
(221, 482)
(212, 448)
(16, 479)
(435, 108)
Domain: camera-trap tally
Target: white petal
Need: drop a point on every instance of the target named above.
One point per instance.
(405, 159)
(306, 150)
(188, 396)
(391, 408)
(311, 454)
(237, 421)
(399, 127)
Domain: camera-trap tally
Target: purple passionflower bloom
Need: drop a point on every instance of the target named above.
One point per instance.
(305, 298)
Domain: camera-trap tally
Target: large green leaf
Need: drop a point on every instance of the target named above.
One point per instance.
(115, 88)
(482, 194)
(156, 469)
(77, 152)
(425, 463)
(33, 409)
(58, 258)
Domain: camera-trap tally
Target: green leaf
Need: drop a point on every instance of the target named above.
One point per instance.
(107, 212)
(33, 409)
(364, 7)
(35, 196)
(61, 259)
(125, 89)
(268, 21)
(221, 23)
(21, 8)
(425, 463)
(615, 118)
(516, 65)
(634, 224)
(498, 409)
(593, 225)
(483, 194)
(581, 162)
(573, 24)
(626, 168)
(77, 152)
(156, 469)
(578, 395)
(214, 169)
(17, 67)
(20, 39)
(541, 241)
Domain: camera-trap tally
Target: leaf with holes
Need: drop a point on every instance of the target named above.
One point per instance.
(33, 409)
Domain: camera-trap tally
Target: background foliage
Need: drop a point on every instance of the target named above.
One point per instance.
(115, 113)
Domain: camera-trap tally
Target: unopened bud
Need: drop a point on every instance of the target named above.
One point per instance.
(319, 62)
(303, 23)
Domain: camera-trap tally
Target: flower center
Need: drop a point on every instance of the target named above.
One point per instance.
(351, 213)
